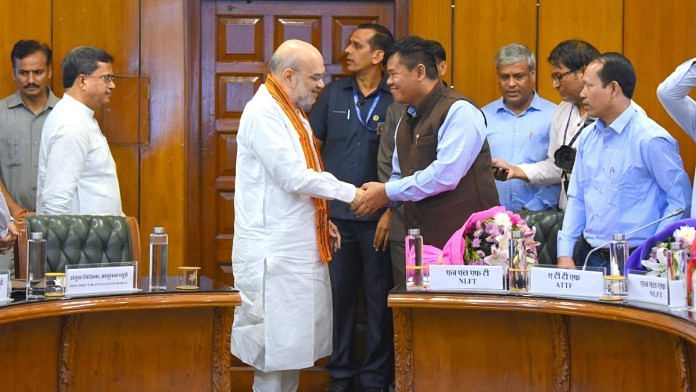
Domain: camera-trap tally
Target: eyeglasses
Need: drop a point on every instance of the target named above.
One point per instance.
(557, 77)
(314, 77)
(108, 78)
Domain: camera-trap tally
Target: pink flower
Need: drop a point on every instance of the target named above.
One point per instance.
(476, 243)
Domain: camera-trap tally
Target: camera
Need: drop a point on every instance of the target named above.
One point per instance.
(564, 158)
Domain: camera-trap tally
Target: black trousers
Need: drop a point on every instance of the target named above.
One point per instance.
(358, 264)
(599, 258)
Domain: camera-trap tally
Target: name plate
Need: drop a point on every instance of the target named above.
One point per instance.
(466, 277)
(99, 280)
(5, 286)
(556, 281)
(651, 289)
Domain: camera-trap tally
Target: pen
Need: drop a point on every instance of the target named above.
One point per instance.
(348, 115)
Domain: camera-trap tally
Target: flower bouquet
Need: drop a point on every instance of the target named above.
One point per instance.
(657, 262)
(655, 257)
(484, 239)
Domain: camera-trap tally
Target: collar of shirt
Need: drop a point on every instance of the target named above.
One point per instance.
(619, 123)
(411, 111)
(78, 105)
(499, 106)
(15, 100)
(354, 86)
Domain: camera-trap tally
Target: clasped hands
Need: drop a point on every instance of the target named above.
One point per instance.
(369, 198)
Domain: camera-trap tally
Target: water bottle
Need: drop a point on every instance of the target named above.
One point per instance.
(676, 262)
(36, 266)
(518, 273)
(618, 254)
(158, 259)
(414, 260)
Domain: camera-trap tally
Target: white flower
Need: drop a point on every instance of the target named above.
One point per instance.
(656, 266)
(685, 235)
(502, 220)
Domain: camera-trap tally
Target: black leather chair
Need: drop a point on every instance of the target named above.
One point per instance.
(81, 239)
(547, 224)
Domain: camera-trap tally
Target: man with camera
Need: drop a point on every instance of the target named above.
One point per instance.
(567, 59)
(627, 172)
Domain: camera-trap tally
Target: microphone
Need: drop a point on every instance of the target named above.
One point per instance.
(361, 102)
(674, 213)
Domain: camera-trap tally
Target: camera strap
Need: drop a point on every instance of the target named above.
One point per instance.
(587, 122)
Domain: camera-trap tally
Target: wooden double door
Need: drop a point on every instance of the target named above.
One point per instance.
(237, 41)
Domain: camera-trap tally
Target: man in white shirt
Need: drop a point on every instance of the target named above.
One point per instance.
(673, 94)
(282, 232)
(77, 174)
(8, 230)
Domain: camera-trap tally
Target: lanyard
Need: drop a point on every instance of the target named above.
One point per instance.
(369, 113)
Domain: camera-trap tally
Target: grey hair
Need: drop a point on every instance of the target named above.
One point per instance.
(283, 60)
(513, 53)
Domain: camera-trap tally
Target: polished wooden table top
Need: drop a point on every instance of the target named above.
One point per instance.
(679, 323)
(210, 294)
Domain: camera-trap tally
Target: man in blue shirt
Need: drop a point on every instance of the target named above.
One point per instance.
(627, 172)
(348, 118)
(518, 128)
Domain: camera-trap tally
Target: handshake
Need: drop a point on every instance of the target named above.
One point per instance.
(369, 198)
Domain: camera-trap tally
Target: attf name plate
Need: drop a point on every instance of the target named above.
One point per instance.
(466, 277)
(99, 280)
(5, 286)
(651, 289)
(576, 283)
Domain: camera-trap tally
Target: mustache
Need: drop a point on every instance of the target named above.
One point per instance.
(31, 85)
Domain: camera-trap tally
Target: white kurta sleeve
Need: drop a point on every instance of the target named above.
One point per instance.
(64, 164)
(272, 144)
(4, 216)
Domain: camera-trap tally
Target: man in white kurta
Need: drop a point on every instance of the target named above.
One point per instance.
(77, 174)
(284, 321)
(8, 230)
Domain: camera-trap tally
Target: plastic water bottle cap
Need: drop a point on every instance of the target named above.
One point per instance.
(619, 237)
(413, 231)
(37, 235)
(158, 230)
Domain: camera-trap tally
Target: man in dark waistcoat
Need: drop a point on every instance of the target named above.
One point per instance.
(441, 168)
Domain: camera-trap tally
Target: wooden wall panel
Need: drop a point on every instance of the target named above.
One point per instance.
(595, 21)
(656, 40)
(432, 19)
(108, 24)
(482, 27)
(127, 160)
(163, 163)
(28, 19)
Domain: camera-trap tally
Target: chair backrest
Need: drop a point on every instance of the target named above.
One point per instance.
(547, 224)
(81, 239)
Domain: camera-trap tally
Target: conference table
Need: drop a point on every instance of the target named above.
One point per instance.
(166, 341)
(466, 341)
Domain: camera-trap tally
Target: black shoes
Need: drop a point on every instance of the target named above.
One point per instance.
(341, 385)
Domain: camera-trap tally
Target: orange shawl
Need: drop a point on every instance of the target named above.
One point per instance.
(310, 148)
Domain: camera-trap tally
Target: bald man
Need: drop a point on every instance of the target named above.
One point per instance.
(282, 234)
